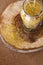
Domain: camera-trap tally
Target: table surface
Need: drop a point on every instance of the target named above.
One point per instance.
(9, 57)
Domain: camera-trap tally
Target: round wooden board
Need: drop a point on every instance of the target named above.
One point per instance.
(7, 29)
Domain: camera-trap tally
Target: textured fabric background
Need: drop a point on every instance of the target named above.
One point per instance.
(9, 57)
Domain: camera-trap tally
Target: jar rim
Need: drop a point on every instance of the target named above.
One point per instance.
(29, 14)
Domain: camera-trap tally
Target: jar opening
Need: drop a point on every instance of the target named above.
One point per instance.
(31, 9)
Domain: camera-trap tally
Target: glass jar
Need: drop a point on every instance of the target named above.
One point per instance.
(32, 14)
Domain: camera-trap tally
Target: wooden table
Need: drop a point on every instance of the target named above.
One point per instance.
(9, 57)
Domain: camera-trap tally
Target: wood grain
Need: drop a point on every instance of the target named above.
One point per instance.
(9, 57)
